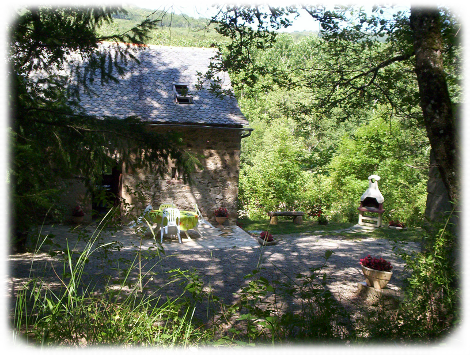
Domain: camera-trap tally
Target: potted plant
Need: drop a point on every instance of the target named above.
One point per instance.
(396, 225)
(377, 271)
(266, 238)
(322, 220)
(78, 214)
(221, 214)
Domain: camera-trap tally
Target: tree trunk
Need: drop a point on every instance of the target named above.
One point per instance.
(435, 100)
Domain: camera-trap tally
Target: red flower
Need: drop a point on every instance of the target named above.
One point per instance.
(78, 212)
(396, 223)
(376, 264)
(221, 212)
(266, 236)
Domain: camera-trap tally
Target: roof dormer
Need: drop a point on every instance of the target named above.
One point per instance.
(181, 94)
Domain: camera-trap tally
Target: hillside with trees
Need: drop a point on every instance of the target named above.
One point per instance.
(171, 29)
(332, 153)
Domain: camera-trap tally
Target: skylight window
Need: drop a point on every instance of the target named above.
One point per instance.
(181, 92)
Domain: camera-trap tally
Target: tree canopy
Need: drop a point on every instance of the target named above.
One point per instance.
(370, 59)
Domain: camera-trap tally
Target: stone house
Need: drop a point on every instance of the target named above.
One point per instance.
(161, 90)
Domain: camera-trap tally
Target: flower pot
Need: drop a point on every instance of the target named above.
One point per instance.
(261, 241)
(77, 219)
(220, 220)
(375, 278)
(399, 228)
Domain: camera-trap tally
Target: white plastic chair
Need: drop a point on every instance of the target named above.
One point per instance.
(172, 216)
(162, 207)
(201, 219)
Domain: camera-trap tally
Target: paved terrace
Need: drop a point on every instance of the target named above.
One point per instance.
(221, 256)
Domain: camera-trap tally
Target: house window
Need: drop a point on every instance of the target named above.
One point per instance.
(181, 94)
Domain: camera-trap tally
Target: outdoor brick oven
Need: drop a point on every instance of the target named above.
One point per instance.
(372, 204)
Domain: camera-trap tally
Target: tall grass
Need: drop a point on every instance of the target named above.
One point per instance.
(75, 315)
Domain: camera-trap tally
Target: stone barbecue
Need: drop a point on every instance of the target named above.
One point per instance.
(371, 203)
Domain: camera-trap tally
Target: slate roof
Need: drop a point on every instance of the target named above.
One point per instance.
(146, 90)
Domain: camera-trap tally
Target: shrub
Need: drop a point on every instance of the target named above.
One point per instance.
(430, 309)
(322, 220)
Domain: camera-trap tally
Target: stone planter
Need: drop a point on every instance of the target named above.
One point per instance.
(375, 278)
(77, 219)
(221, 220)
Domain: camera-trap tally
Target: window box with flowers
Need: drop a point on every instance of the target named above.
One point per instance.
(377, 271)
(221, 215)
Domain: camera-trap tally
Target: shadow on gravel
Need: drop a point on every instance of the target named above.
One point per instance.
(222, 270)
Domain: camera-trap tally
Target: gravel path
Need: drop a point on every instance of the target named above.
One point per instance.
(221, 264)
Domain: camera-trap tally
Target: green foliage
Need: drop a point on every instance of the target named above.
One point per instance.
(430, 310)
(397, 155)
(322, 220)
(331, 160)
(172, 29)
(273, 179)
(30, 196)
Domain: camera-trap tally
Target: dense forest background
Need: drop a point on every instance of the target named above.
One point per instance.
(299, 157)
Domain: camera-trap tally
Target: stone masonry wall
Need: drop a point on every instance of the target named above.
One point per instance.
(216, 185)
(75, 194)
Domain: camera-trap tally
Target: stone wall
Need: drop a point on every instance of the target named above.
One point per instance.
(75, 193)
(213, 186)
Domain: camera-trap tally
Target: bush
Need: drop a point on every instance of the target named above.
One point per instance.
(385, 149)
(273, 179)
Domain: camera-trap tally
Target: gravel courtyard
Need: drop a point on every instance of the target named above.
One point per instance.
(221, 257)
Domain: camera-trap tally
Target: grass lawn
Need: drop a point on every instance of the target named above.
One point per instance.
(286, 226)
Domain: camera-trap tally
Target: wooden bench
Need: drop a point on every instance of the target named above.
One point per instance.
(297, 216)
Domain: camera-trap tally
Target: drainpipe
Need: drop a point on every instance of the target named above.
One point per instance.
(247, 132)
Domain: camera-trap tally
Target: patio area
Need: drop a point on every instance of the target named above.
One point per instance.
(221, 257)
